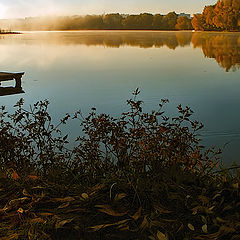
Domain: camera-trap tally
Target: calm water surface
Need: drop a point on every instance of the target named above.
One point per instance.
(79, 70)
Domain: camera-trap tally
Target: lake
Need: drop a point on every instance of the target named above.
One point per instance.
(84, 69)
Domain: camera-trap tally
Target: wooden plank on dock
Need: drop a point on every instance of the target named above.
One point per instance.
(6, 76)
(5, 91)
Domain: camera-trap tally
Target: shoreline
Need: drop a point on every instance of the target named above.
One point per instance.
(2, 32)
(118, 30)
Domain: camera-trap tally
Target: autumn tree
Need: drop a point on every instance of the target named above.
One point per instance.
(113, 21)
(157, 21)
(198, 22)
(224, 15)
(170, 20)
(146, 20)
(183, 23)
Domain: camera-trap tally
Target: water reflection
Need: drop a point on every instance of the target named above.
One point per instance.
(223, 47)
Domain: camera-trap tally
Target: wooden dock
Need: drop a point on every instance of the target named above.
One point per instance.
(6, 76)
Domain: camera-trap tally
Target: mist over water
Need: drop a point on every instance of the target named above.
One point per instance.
(83, 69)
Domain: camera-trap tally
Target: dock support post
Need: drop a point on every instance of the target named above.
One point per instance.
(18, 82)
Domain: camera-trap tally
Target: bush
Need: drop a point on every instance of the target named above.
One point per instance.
(141, 176)
(135, 145)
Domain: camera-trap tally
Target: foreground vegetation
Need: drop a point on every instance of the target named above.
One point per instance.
(142, 176)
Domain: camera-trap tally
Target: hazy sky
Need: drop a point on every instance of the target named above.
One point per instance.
(25, 8)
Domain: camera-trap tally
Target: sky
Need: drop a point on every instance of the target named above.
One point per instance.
(30, 8)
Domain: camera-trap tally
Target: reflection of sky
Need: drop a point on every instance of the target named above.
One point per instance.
(23, 8)
(74, 76)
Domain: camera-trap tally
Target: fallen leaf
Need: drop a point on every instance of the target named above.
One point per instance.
(161, 236)
(11, 237)
(108, 210)
(96, 189)
(16, 202)
(224, 230)
(37, 220)
(64, 205)
(120, 196)
(25, 193)
(235, 185)
(161, 209)
(85, 196)
(137, 215)
(33, 177)
(66, 199)
(46, 214)
(102, 226)
(204, 228)
(191, 227)
(20, 210)
(216, 196)
(144, 223)
(15, 176)
(203, 199)
(62, 223)
(220, 220)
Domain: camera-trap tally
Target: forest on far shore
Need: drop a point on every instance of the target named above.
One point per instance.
(222, 16)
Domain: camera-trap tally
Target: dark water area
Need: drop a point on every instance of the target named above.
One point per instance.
(81, 69)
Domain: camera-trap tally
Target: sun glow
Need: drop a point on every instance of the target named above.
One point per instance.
(3, 9)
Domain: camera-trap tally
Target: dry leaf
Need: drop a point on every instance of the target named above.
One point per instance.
(66, 199)
(96, 189)
(33, 177)
(191, 227)
(20, 210)
(137, 215)
(37, 220)
(25, 193)
(235, 185)
(62, 223)
(102, 226)
(144, 222)
(203, 199)
(64, 205)
(161, 236)
(108, 210)
(124, 228)
(11, 237)
(195, 210)
(45, 214)
(216, 196)
(161, 209)
(220, 220)
(120, 196)
(85, 196)
(17, 202)
(204, 228)
(15, 176)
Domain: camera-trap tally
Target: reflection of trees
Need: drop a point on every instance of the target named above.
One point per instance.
(116, 39)
(223, 47)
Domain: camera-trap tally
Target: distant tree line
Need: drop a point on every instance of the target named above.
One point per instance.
(143, 21)
(224, 15)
